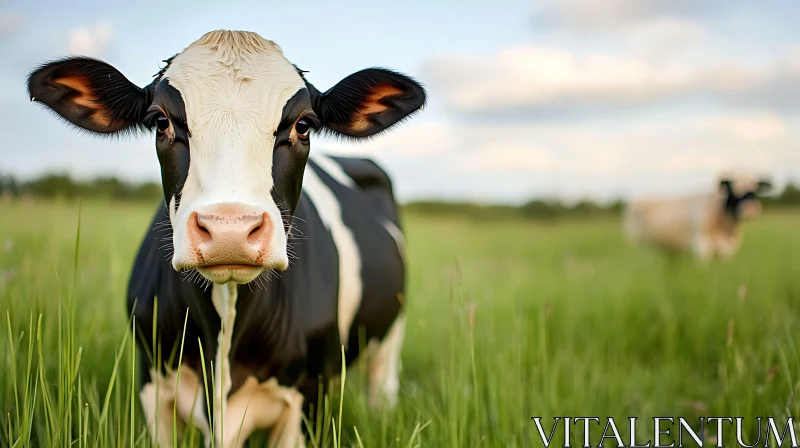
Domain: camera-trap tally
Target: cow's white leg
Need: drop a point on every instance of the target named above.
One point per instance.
(257, 406)
(727, 246)
(176, 393)
(191, 400)
(703, 248)
(385, 365)
(158, 400)
(288, 432)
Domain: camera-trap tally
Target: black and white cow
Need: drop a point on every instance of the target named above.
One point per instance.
(232, 117)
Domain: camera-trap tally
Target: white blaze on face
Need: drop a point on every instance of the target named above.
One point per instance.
(234, 86)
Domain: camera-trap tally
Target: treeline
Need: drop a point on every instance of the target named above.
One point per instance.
(536, 209)
(555, 209)
(63, 186)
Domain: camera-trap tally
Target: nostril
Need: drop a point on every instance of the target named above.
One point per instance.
(255, 230)
(260, 227)
(203, 232)
(200, 231)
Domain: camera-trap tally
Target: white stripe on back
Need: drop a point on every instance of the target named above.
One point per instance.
(330, 212)
(333, 169)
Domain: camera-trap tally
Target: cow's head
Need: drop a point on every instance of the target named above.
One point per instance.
(232, 119)
(741, 195)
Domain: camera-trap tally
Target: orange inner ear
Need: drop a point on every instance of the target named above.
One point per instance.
(85, 98)
(373, 105)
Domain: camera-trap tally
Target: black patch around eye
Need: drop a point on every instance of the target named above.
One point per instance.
(173, 153)
(289, 160)
(296, 109)
(298, 106)
(166, 99)
(174, 158)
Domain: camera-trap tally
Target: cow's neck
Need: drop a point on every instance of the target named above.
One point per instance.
(224, 298)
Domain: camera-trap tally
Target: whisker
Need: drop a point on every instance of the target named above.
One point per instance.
(298, 229)
(262, 280)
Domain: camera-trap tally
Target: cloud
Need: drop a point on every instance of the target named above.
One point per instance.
(511, 162)
(413, 140)
(611, 15)
(10, 23)
(665, 37)
(548, 80)
(644, 147)
(91, 40)
(507, 157)
(755, 127)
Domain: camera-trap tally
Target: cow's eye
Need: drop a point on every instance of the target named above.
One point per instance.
(302, 127)
(162, 123)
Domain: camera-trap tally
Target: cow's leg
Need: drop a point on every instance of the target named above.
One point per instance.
(288, 432)
(385, 365)
(703, 248)
(158, 399)
(257, 406)
(166, 395)
(727, 246)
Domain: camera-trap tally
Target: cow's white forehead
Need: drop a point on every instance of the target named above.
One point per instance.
(231, 79)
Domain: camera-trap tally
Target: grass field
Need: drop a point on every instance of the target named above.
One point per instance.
(506, 320)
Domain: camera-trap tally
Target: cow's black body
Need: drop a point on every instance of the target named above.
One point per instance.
(287, 327)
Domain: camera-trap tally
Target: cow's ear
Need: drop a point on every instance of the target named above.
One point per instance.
(726, 185)
(367, 102)
(764, 186)
(90, 94)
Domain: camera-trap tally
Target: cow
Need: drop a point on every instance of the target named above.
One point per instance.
(706, 225)
(278, 266)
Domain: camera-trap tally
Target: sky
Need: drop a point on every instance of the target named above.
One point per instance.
(573, 99)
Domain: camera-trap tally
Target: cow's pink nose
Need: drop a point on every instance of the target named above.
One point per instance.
(229, 235)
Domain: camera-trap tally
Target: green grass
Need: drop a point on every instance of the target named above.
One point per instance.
(506, 320)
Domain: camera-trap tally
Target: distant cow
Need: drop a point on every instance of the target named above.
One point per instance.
(707, 225)
(303, 256)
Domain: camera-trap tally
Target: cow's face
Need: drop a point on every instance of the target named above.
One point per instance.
(741, 196)
(232, 119)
